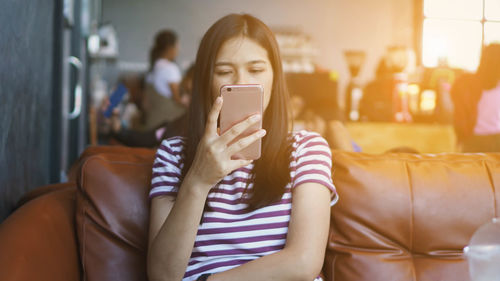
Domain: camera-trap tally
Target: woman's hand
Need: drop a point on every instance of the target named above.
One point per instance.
(213, 161)
(185, 100)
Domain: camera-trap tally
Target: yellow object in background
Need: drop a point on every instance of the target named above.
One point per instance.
(380, 137)
(333, 75)
(428, 102)
(413, 98)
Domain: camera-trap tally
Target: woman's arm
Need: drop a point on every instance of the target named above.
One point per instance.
(173, 225)
(176, 93)
(303, 255)
(338, 136)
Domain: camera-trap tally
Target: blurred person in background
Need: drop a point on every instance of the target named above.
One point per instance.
(153, 137)
(476, 99)
(377, 101)
(162, 100)
(334, 131)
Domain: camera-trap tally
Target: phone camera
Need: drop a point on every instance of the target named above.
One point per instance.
(229, 89)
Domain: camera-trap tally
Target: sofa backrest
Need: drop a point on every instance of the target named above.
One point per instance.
(112, 214)
(399, 217)
(408, 217)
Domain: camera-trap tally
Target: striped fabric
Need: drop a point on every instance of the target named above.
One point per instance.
(229, 236)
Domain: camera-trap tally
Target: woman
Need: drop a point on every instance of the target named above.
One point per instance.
(152, 138)
(215, 218)
(163, 100)
(476, 99)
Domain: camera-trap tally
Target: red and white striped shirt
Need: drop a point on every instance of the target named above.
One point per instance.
(229, 235)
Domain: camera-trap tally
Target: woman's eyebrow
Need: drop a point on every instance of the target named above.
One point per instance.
(223, 63)
(256, 61)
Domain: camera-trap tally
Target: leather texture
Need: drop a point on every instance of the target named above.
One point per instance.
(408, 217)
(38, 241)
(112, 214)
(42, 190)
(75, 169)
(400, 217)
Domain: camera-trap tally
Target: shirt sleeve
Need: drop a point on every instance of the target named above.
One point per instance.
(313, 163)
(164, 74)
(166, 171)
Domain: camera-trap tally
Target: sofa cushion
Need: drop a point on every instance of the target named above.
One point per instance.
(112, 214)
(408, 217)
(98, 149)
(43, 190)
(38, 241)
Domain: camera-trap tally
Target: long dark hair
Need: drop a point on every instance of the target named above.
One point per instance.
(270, 174)
(489, 66)
(164, 39)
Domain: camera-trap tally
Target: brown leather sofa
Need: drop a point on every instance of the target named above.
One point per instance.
(399, 217)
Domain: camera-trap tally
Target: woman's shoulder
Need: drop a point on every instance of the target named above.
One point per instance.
(303, 137)
(162, 64)
(173, 145)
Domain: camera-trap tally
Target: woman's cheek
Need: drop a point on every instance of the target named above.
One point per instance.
(218, 83)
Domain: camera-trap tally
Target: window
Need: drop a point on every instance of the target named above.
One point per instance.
(492, 10)
(491, 32)
(455, 31)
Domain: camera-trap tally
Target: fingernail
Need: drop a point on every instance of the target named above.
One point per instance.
(218, 100)
(261, 133)
(255, 117)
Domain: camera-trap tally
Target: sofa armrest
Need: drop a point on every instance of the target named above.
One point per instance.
(42, 190)
(38, 241)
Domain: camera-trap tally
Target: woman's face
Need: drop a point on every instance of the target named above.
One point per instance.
(172, 52)
(241, 60)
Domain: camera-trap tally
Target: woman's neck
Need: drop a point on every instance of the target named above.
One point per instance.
(168, 55)
(166, 58)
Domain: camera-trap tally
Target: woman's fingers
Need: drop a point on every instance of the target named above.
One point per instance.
(211, 127)
(236, 164)
(239, 128)
(214, 155)
(104, 104)
(244, 142)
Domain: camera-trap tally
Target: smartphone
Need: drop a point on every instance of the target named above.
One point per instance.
(115, 99)
(240, 102)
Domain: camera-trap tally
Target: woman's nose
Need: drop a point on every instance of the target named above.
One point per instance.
(241, 78)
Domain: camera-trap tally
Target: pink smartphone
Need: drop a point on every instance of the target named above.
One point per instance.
(240, 102)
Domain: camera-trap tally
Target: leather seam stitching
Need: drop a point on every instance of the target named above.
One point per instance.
(411, 220)
(490, 178)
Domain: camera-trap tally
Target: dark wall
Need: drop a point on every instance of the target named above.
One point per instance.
(26, 87)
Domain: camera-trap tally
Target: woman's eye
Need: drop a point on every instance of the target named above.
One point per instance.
(224, 72)
(256, 70)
